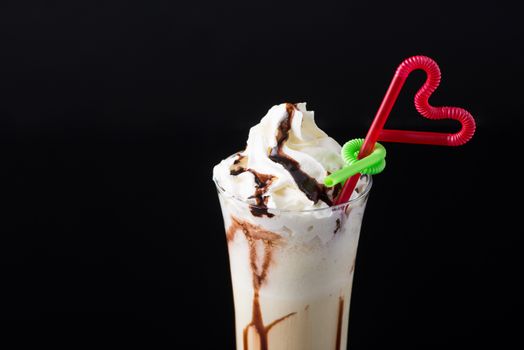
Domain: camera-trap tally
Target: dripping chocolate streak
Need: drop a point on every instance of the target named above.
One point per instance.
(311, 188)
(337, 227)
(339, 322)
(254, 233)
(262, 182)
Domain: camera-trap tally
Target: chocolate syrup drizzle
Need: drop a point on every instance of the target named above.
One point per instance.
(262, 182)
(307, 184)
(337, 228)
(238, 166)
(254, 233)
(262, 185)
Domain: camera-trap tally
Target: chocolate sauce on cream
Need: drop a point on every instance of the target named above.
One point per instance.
(262, 182)
(269, 240)
(307, 184)
(239, 165)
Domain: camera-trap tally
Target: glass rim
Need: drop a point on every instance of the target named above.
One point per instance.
(358, 198)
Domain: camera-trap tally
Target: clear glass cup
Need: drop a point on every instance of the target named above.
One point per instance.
(292, 273)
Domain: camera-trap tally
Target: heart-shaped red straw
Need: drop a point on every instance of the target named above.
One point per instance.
(422, 105)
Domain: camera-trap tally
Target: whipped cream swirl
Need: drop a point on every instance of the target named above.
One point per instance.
(284, 164)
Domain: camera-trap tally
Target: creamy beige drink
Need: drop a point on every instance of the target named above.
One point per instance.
(292, 253)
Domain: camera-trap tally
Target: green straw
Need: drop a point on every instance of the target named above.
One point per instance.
(373, 164)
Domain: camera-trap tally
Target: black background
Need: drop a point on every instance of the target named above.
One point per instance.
(113, 114)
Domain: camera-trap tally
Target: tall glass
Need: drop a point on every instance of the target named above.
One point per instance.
(292, 272)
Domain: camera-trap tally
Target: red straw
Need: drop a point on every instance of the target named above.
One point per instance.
(423, 107)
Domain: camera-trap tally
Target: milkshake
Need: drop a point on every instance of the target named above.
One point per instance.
(292, 252)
